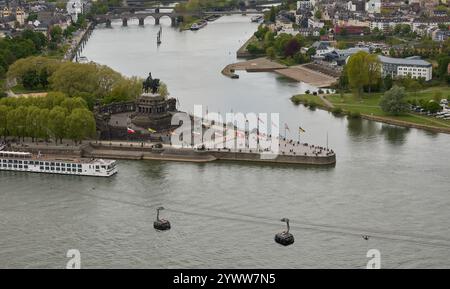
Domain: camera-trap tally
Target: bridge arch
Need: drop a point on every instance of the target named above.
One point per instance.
(125, 17)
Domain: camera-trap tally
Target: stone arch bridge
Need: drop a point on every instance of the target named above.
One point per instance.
(125, 16)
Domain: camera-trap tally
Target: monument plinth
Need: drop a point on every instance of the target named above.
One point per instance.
(149, 116)
(153, 111)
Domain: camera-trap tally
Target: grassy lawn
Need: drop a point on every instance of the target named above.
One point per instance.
(307, 99)
(369, 105)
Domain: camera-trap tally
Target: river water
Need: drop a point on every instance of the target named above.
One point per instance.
(390, 183)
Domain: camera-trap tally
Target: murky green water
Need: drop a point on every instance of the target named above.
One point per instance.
(389, 182)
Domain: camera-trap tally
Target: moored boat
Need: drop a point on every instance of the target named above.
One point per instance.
(198, 25)
(27, 162)
(257, 18)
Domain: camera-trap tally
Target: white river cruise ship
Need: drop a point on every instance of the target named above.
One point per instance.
(27, 162)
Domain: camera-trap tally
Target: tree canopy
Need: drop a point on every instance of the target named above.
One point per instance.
(362, 69)
(54, 116)
(393, 101)
(92, 82)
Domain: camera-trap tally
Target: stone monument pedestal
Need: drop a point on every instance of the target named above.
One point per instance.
(153, 111)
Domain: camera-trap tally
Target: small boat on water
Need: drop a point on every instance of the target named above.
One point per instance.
(257, 18)
(200, 24)
(27, 162)
(82, 59)
(158, 36)
(213, 17)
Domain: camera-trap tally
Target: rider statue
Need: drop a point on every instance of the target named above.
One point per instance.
(150, 84)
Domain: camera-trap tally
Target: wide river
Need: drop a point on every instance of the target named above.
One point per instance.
(390, 183)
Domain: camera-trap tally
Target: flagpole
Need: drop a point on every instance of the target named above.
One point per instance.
(327, 140)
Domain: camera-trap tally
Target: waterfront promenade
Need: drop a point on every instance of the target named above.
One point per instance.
(290, 151)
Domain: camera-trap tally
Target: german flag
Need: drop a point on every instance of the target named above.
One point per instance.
(301, 129)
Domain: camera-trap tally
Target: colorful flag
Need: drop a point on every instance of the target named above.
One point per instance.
(130, 131)
(301, 129)
(151, 130)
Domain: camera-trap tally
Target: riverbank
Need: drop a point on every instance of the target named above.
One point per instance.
(299, 73)
(78, 42)
(242, 52)
(262, 64)
(368, 108)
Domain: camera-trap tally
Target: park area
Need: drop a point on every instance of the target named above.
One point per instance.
(368, 107)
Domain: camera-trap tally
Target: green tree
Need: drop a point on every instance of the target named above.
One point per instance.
(270, 52)
(373, 70)
(318, 14)
(129, 89)
(271, 15)
(56, 34)
(56, 124)
(33, 124)
(30, 80)
(162, 90)
(75, 78)
(3, 120)
(393, 101)
(358, 72)
(433, 106)
(80, 125)
(442, 69)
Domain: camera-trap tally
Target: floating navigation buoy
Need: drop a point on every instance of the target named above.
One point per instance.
(365, 237)
(160, 224)
(284, 238)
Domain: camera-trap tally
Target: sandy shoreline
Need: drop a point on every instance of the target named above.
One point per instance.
(298, 73)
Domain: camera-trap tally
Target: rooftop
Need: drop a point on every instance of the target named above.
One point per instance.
(404, 61)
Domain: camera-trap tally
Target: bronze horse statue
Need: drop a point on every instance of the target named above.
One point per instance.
(150, 84)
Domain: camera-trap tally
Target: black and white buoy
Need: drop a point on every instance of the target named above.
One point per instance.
(160, 224)
(284, 238)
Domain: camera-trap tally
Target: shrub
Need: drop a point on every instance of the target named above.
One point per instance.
(337, 110)
(320, 91)
(295, 100)
(393, 101)
(307, 92)
(354, 114)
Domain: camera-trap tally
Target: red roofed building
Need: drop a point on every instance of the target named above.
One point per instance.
(349, 30)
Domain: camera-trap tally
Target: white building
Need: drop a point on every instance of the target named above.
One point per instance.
(315, 23)
(401, 67)
(373, 6)
(304, 5)
(322, 48)
(74, 7)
